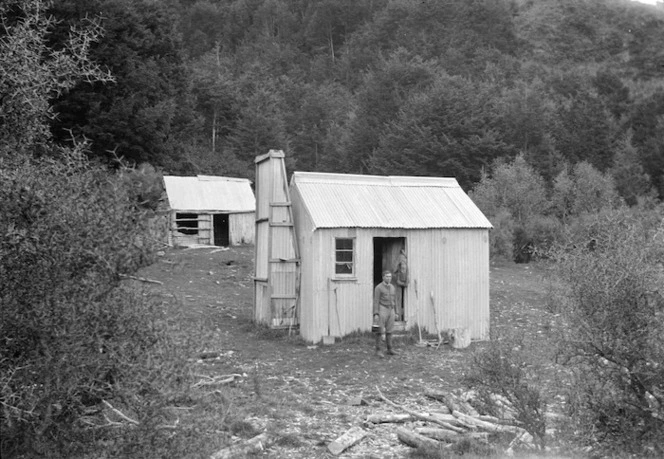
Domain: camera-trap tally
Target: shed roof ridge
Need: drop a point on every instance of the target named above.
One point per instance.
(375, 180)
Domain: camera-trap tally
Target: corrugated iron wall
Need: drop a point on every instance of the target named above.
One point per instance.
(453, 264)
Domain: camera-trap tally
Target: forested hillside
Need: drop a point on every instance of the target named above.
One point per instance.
(550, 113)
(373, 86)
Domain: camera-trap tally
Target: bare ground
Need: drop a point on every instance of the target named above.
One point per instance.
(301, 393)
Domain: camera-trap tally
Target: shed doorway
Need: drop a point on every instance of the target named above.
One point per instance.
(386, 252)
(221, 230)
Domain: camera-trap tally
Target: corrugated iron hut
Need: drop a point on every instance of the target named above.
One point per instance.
(210, 210)
(349, 228)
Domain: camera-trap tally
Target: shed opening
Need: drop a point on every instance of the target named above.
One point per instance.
(221, 230)
(386, 251)
(186, 223)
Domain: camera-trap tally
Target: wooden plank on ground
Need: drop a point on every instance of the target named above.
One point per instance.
(348, 439)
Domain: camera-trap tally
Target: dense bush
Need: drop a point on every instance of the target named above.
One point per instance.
(73, 341)
(614, 306)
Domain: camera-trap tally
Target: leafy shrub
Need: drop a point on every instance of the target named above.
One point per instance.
(72, 337)
(501, 238)
(500, 370)
(614, 305)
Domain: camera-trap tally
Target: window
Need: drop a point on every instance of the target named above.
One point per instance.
(186, 223)
(344, 259)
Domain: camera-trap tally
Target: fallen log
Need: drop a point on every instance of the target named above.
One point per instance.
(140, 279)
(451, 436)
(450, 419)
(440, 396)
(219, 380)
(421, 416)
(450, 401)
(456, 403)
(243, 449)
(345, 441)
(488, 426)
(495, 420)
(416, 440)
(385, 418)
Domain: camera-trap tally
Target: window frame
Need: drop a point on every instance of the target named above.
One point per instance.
(337, 263)
(187, 223)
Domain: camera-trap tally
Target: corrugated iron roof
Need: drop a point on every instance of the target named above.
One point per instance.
(210, 193)
(370, 201)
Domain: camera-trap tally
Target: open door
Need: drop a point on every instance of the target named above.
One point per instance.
(387, 254)
(221, 230)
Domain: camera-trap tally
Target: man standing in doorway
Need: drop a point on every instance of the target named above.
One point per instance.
(383, 312)
(401, 279)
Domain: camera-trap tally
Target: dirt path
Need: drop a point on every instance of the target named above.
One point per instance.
(301, 391)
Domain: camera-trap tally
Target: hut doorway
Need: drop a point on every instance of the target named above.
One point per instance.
(221, 230)
(386, 252)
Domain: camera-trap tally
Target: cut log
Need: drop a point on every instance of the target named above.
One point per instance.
(495, 420)
(243, 449)
(348, 439)
(421, 416)
(451, 436)
(488, 426)
(445, 417)
(467, 408)
(383, 418)
(441, 397)
(416, 440)
(450, 419)
(451, 402)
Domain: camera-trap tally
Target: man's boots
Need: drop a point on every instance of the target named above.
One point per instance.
(378, 351)
(388, 341)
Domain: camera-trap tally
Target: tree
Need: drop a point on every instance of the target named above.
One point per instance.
(317, 111)
(71, 337)
(630, 179)
(515, 186)
(445, 129)
(583, 189)
(646, 121)
(143, 115)
(31, 74)
(514, 199)
(613, 302)
(584, 130)
(384, 92)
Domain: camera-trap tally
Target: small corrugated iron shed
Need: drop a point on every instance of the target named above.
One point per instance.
(210, 210)
(352, 227)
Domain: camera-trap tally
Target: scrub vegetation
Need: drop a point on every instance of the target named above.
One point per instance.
(550, 114)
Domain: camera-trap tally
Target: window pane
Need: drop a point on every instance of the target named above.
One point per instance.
(344, 244)
(343, 256)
